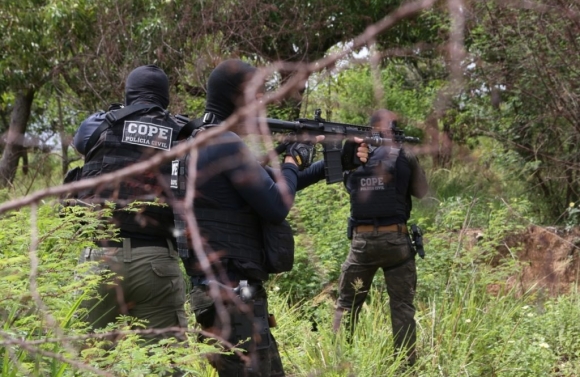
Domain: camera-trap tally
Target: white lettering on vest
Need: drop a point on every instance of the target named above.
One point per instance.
(372, 184)
(147, 134)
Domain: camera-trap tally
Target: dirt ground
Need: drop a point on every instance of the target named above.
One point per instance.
(550, 258)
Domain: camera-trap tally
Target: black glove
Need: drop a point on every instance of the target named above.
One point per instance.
(349, 155)
(302, 153)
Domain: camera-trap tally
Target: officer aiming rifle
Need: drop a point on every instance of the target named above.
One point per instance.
(381, 194)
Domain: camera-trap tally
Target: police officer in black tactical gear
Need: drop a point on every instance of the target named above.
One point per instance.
(380, 200)
(146, 280)
(234, 196)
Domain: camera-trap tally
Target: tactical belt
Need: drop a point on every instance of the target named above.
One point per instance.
(400, 228)
(136, 242)
(201, 281)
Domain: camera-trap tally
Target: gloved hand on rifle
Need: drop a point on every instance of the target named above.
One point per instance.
(301, 152)
(354, 154)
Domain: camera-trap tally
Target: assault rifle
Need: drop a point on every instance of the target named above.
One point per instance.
(334, 135)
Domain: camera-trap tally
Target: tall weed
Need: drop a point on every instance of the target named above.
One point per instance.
(465, 332)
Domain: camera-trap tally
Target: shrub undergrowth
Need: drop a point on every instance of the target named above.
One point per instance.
(470, 321)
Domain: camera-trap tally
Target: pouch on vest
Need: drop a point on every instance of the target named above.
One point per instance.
(279, 246)
(350, 228)
(72, 175)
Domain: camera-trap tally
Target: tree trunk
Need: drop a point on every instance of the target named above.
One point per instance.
(441, 144)
(445, 147)
(290, 106)
(64, 139)
(15, 140)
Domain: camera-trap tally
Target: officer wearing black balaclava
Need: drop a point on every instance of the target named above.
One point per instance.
(233, 192)
(145, 279)
(234, 197)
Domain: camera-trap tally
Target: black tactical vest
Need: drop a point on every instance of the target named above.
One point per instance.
(123, 143)
(236, 235)
(379, 188)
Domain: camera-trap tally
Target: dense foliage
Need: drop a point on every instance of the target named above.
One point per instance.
(499, 147)
(464, 327)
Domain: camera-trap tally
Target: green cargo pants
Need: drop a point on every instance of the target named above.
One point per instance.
(146, 283)
(392, 252)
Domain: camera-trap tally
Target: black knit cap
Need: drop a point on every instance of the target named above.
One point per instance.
(147, 84)
(225, 86)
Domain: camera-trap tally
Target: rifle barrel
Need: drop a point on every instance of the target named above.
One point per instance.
(283, 124)
(338, 129)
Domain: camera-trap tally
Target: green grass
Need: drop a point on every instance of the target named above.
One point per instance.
(463, 330)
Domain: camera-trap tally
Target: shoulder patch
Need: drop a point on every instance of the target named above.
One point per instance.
(147, 134)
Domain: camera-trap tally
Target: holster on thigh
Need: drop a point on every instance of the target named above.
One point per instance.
(261, 325)
(252, 326)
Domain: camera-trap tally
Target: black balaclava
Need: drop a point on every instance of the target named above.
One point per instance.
(148, 84)
(225, 86)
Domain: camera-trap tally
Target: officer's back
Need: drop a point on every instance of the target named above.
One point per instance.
(127, 141)
(142, 266)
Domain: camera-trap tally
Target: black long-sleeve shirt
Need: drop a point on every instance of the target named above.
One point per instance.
(230, 178)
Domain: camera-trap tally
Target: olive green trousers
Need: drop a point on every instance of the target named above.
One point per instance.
(142, 282)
